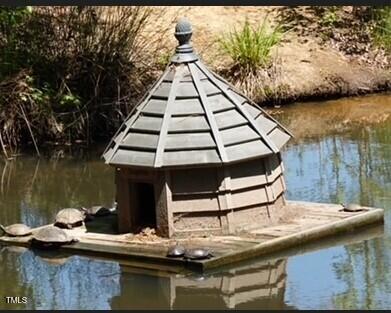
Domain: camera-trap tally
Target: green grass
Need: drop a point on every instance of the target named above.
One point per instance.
(382, 28)
(250, 47)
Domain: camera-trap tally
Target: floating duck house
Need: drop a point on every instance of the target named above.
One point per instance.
(196, 155)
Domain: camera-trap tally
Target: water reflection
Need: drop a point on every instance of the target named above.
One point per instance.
(32, 190)
(61, 282)
(64, 282)
(352, 166)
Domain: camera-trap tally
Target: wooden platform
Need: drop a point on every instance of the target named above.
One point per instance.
(309, 222)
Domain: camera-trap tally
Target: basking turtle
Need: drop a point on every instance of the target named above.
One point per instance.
(16, 230)
(95, 211)
(352, 207)
(176, 251)
(197, 254)
(69, 218)
(51, 237)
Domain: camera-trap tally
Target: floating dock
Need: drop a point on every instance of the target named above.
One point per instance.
(311, 221)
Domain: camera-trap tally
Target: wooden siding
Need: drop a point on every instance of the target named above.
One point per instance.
(203, 180)
(194, 203)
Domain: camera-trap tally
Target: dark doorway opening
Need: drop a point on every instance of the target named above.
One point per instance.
(145, 205)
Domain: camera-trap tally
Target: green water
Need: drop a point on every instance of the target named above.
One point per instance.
(341, 153)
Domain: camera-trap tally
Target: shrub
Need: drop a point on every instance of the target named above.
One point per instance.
(250, 48)
(84, 67)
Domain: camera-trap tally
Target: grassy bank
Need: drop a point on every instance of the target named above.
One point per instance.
(72, 74)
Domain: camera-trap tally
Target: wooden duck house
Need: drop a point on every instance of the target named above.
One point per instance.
(197, 156)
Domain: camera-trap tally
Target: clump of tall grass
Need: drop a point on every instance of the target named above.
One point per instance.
(250, 47)
(382, 27)
(74, 71)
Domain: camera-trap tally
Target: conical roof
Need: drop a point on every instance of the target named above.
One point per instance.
(193, 117)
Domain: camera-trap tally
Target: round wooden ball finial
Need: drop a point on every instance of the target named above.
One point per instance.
(183, 31)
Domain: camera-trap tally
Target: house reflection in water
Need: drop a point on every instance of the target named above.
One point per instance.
(259, 285)
(61, 282)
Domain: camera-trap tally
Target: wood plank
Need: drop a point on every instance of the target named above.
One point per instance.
(265, 124)
(229, 119)
(247, 150)
(140, 140)
(248, 174)
(206, 85)
(187, 107)
(155, 106)
(192, 203)
(148, 123)
(219, 103)
(252, 110)
(191, 157)
(249, 197)
(186, 90)
(181, 184)
(188, 124)
(133, 157)
(237, 135)
(273, 245)
(279, 137)
(189, 141)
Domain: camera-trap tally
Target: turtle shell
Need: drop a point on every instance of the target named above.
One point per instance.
(176, 251)
(69, 218)
(197, 254)
(353, 207)
(52, 234)
(98, 210)
(17, 230)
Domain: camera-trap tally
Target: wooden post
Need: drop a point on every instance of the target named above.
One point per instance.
(162, 200)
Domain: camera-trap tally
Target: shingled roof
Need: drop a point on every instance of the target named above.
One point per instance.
(193, 117)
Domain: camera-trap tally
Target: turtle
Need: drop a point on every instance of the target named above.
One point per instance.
(69, 218)
(95, 211)
(352, 207)
(16, 230)
(51, 237)
(197, 254)
(176, 251)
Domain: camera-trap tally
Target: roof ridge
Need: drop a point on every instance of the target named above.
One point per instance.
(167, 116)
(209, 115)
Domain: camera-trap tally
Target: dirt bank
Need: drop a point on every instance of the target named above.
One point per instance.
(308, 64)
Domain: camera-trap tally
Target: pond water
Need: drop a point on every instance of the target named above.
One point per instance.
(341, 153)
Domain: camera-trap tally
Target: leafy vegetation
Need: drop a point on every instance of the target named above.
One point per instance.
(71, 73)
(249, 47)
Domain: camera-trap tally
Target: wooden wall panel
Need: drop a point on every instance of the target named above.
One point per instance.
(202, 180)
(196, 222)
(247, 174)
(194, 203)
(273, 167)
(249, 197)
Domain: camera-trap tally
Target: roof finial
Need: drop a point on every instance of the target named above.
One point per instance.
(183, 31)
(184, 51)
